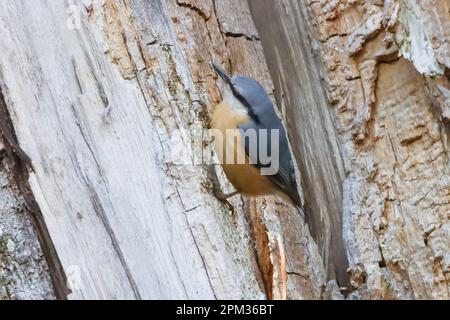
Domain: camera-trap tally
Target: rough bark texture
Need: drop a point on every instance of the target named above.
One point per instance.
(110, 111)
(98, 110)
(300, 93)
(24, 272)
(391, 118)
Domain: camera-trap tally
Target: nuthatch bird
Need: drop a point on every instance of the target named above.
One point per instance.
(247, 107)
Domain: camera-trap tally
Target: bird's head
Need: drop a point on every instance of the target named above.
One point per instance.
(243, 93)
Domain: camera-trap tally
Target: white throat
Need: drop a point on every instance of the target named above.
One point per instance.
(231, 100)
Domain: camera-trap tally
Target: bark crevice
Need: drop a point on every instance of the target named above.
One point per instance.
(21, 164)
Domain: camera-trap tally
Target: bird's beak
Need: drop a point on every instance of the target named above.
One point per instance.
(222, 73)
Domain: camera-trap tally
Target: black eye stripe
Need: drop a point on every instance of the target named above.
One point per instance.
(246, 104)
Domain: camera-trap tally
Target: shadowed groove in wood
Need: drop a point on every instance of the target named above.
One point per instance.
(21, 164)
(284, 31)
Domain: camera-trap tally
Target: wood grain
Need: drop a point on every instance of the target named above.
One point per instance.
(102, 111)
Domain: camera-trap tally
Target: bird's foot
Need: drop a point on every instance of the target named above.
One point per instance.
(223, 197)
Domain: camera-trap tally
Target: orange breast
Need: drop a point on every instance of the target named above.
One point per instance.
(229, 147)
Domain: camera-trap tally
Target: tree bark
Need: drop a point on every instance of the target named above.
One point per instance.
(391, 120)
(24, 272)
(105, 111)
(99, 109)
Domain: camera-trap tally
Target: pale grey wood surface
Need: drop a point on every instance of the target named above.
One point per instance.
(115, 213)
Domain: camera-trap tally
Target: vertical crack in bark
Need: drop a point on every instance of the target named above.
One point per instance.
(142, 90)
(99, 209)
(22, 163)
(289, 53)
(219, 24)
(270, 253)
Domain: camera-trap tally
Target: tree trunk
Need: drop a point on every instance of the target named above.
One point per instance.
(389, 126)
(104, 112)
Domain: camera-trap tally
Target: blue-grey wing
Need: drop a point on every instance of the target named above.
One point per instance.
(284, 178)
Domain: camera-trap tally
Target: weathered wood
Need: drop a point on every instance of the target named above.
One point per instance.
(283, 26)
(26, 252)
(99, 108)
(391, 129)
(24, 272)
(110, 101)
